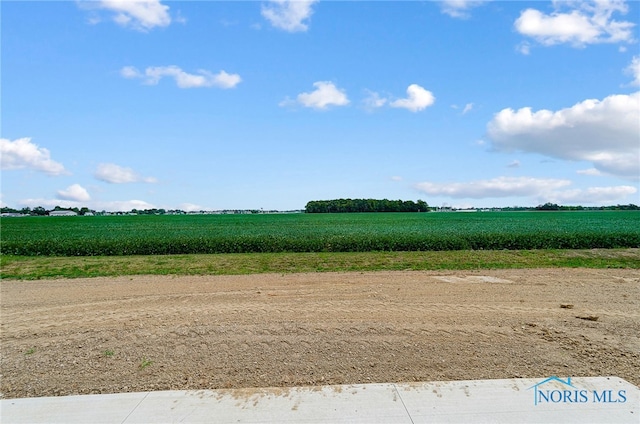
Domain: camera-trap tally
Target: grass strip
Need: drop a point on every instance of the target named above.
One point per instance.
(31, 268)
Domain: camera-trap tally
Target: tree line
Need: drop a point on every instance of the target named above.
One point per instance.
(365, 205)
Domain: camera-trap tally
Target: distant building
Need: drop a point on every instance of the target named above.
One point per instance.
(62, 213)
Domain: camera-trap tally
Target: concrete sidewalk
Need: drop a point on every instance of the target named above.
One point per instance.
(575, 400)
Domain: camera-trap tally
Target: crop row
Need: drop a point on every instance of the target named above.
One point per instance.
(100, 236)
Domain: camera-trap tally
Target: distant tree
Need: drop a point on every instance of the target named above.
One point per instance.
(365, 205)
(548, 207)
(39, 211)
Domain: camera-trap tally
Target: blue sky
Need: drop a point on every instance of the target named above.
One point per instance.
(214, 105)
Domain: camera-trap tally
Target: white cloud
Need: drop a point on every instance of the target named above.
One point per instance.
(514, 164)
(591, 195)
(634, 70)
(115, 174)
(467, 108)
(288, 15)
(75, 193)
(524, 48)
(326, 94)
(539, 189)
(22, 153)
(585, 22)
(122, 205)
(591, 172)
(130, 72)
(190, 207)
(153, 75)
(396, 178)
(373, 101)
(417, 100)
(603, 132)
(496, 187)
(459, 8)
(141, 15)
(50, 203)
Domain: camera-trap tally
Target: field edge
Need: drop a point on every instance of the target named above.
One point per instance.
(32, 268)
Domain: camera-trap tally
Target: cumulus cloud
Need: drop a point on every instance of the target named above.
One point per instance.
(288, 15)
(496, 187)
(141, 15)
(603, 132)
(326, 94)
(539, 189)
(50, 203)
(202, 78)
(597, 195)
(190, 207)
(123, 205)
(459, 8)
(634, 70)
(75, 193)
(115, 174)
(417, 99)
(577, 23)
(22, 153)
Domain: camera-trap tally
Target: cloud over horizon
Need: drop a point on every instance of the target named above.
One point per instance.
(591, 195)
(495, 187)
(541, 189)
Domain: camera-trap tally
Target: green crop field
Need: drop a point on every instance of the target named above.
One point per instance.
(195, 234)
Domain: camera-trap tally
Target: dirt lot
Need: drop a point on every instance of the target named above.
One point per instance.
(106, 335)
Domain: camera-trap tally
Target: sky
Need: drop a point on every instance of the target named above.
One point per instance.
(211, 105)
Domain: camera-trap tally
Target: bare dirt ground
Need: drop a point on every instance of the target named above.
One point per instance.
(105, 335)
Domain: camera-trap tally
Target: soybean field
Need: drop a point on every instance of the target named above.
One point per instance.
(357, 232)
